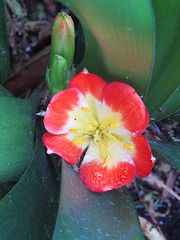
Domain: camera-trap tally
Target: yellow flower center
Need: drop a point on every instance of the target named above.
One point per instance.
(101, 133)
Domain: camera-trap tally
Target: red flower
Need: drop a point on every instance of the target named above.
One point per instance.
(108, 119)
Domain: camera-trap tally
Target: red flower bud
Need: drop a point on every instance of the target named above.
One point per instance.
(63, 38)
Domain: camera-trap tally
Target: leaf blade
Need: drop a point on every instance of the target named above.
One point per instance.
(120, 39)
(87, 215)
(16, 138)
(171, 106)
(5, 68)
(29, 210)
(167, 151)
(167, 51)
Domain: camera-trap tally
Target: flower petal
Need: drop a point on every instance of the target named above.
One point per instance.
(99, 179)
(58, 118)
(107, 167)
(123, 98)
(61, 145)
(143, 156)
(88, 83)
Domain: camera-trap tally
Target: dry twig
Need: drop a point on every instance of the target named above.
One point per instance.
(161, 184)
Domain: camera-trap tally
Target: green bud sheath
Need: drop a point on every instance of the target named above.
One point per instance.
(63, 38)
(57, 74)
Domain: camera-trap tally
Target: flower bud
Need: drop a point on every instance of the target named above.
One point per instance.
(63, 38)
(57, 74)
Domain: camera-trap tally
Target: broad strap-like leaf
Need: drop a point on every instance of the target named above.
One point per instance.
(176, 116)
(29, 210)
(5, 69)
(87, 215)
(169, 152)
(4, 92)
(172, 105)
(119, 39)
(165, 76)
(16, 136)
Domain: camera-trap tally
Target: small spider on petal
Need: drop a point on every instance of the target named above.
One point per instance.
(109, 120)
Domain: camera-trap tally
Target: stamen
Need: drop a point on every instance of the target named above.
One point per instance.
(115, 124)
(78, 142)
(128, 146)
(85, 109)
(105, 161)
(73, 130)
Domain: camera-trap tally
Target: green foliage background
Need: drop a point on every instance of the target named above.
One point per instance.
(137, 42)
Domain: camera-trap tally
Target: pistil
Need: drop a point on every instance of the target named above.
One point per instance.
(99, 133)
(96, 135)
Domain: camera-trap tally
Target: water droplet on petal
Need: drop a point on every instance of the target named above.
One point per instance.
(98, 174)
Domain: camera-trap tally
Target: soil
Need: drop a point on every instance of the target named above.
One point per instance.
(29, 31)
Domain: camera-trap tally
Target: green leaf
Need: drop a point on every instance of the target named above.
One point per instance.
(29, 210)
(172, 105)
(120, 39)
(167, 151)
(5, 68)
(87, 215)
(16, 138)
(165, 76)
(176, 116)
(4, 92)
(5, 188)
(79, 45)
(15, 7)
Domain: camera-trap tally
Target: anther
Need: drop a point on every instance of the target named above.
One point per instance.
(105, 161)
(78, 142)
(73, 130)
(115, 124)
(128, 146)
(85, 109)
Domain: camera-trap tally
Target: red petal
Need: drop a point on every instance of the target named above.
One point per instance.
(56, 115)
(62, 146)
(124, 99)
(142, 158)
(88, 83)
(99, 179)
